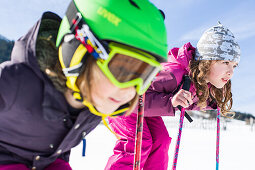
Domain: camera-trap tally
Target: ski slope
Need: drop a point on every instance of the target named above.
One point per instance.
(197, 148)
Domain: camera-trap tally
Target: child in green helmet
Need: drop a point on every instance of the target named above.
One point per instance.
(66, 75)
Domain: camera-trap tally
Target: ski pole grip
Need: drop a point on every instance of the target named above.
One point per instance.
(187, 81)
(186, 86)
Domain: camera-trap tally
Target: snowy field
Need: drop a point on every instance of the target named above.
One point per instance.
(197, 149)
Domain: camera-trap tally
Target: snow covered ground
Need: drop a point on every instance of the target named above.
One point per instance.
(197, 149)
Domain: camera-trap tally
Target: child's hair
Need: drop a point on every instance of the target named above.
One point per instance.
(47, 57)
(223, 96)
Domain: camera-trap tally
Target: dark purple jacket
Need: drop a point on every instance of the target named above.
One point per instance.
(34, 116)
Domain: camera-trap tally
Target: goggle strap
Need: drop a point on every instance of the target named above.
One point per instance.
(95, 42)
(72, 71)
(71, 14)
(76, 21)
(74, 17)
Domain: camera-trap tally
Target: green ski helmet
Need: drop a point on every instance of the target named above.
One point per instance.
(136, 23)
(128, 28)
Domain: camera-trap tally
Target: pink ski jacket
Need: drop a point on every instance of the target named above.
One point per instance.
(159, 95)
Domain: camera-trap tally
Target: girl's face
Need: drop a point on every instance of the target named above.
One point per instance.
(107, 97)
(221, 72)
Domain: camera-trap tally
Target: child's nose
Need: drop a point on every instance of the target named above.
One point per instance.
(230, 71)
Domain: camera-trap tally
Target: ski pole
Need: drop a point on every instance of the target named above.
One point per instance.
(178, 139)
(139, 133)
(186, 86)
(218, 139)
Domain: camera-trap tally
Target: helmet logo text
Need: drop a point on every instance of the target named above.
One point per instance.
(109, 16)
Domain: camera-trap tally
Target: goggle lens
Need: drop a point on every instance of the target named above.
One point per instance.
(125, 68)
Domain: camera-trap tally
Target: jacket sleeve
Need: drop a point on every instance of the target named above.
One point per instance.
(159, 95)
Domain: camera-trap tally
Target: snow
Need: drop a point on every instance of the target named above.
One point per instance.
(197, 148)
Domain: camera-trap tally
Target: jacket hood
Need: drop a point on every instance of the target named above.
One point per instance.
(182, 56)
(24, 50)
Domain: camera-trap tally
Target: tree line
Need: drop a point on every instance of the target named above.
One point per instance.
(5, 49)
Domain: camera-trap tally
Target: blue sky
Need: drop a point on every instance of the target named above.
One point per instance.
(185, 21)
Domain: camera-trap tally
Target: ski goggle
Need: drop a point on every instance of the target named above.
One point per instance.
(126, 66)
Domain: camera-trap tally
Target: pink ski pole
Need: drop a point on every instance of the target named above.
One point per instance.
(139, 133)
(178, 139)
(186, 86)
(218, 139)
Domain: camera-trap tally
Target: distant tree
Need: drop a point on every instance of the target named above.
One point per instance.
(5, 49)
(243, 116)
(237, 115)
(212, 114)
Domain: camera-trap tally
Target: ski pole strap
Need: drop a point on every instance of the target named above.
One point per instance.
(186, 115)
(218, 138)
